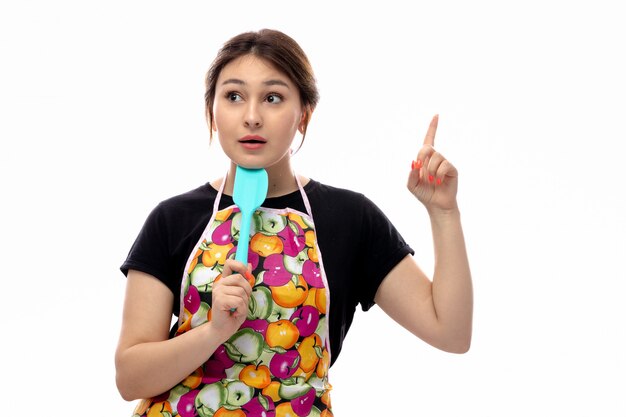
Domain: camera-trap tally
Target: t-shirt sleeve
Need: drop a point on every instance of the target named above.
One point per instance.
(382, 247)
(150, 253)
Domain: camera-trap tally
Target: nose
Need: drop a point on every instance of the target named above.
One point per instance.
(252, 116)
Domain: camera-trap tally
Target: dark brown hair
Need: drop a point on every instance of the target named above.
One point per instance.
(279, 49)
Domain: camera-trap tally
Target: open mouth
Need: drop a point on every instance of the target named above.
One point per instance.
(252, 140)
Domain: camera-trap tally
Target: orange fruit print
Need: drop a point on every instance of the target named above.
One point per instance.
(266, 245)
(282, 333)
(290, 294)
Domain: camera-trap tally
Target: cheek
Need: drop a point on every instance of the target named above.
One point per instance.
(220, 118)
(291, 121)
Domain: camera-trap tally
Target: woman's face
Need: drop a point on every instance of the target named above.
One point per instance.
(257, 112)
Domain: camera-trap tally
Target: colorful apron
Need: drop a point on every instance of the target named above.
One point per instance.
(276, 364)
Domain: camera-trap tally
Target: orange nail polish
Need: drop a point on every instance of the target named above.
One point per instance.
(438, 181)
(431, 178)
(419, 163)
(412, 165)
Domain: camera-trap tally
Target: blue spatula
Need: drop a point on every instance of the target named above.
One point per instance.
(249, 192)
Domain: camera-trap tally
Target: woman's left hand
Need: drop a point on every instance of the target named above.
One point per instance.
(433, 179)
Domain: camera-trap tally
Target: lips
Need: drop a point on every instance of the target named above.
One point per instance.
(252, 141)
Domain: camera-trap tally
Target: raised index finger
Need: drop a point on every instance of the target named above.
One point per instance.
(432, 129)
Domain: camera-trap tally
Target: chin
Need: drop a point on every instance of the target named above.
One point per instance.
(257, 161)
(250, 163)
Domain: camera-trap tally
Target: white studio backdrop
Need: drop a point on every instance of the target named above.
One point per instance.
(102, 118)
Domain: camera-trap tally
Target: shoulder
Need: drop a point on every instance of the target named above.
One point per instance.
(318, 190)
(182, 211)
(192, 200)
(340, 207)
(339, 198)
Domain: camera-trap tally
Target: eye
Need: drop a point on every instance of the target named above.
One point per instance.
(233, 96)
(274, 98)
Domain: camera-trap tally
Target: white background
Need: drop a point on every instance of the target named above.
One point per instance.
(101, 109)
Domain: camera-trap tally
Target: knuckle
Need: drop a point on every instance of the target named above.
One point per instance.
(437, 157)
(240, 279)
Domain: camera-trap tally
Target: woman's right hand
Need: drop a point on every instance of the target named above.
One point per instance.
(231, 294)
(147, 361)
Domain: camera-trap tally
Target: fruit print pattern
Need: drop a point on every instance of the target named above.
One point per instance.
(276, 364)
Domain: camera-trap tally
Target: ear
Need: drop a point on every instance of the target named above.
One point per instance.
(304, 120)
(210, 121)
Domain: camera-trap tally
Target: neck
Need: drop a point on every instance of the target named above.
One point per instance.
(280, 177)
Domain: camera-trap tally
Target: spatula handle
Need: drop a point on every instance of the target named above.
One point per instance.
(244, 238)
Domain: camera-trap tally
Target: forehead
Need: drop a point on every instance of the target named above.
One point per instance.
(252, 69)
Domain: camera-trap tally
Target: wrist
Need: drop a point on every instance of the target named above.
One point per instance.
(216, 334)
(452, 213)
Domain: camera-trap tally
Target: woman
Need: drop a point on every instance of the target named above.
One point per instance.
(259, 339)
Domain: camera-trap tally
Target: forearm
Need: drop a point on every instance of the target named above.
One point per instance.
(148, 369)
(452, 283)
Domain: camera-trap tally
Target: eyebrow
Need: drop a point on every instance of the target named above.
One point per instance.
(268, 82)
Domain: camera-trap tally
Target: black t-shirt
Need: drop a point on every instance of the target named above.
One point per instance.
(357, 241)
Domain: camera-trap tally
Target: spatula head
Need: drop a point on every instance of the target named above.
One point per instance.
(249, 192)
(250, 188)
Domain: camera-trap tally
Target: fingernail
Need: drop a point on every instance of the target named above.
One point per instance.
(438, 181)
(412, 165)
(431, 178)
(418, 163)
(249, 276)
